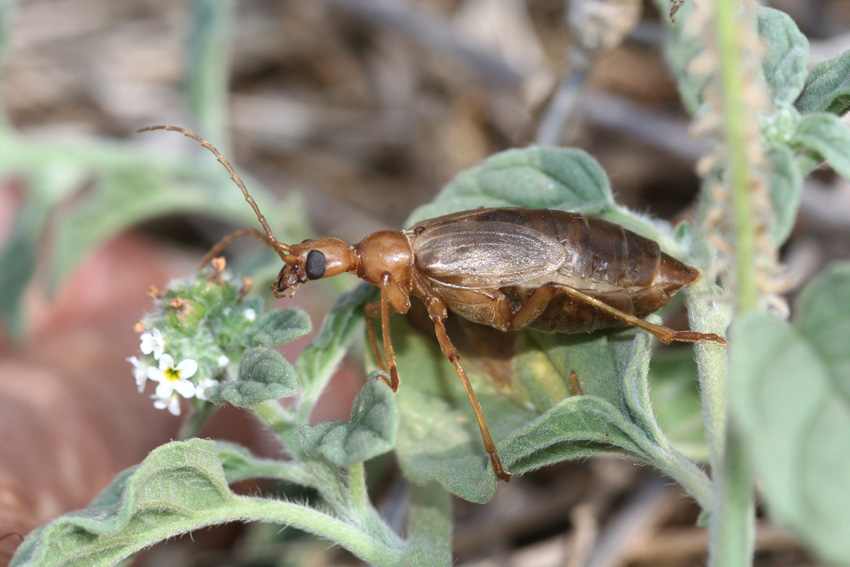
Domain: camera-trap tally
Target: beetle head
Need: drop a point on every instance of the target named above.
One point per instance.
(313, 260)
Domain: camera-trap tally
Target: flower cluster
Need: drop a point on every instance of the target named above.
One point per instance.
(188, 342)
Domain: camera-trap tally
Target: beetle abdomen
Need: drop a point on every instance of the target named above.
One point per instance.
(513, 252)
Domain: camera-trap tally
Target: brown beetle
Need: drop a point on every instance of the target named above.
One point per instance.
(508, 268)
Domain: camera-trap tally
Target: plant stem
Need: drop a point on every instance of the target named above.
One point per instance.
(732, 523)
(735, 120)
(430, 527)
(276, 418)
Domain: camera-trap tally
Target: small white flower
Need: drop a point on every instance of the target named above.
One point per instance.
(250, 314)
(223, 361)
(201, 389)
(153, 342)
(140, 371)
(172, 380)
(172, 403)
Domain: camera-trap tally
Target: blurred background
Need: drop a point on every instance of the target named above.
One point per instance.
(342, 116)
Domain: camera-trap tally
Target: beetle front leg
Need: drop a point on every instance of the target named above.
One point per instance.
(437, 311)
(383, 308)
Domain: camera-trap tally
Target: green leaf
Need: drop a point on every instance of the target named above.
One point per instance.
(17, 265)
(371, 431)
(208, 56)
(791, 402)
(786, 55)
(263, 375)
(279, 326)
(178, 488)
(45, 189)
(826, 135)
(676, 401)
(827, 87)
(439, 438)
(536, 177)
(240, 464)
(679, 51)
(786, 184)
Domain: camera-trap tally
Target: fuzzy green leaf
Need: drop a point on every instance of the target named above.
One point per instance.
(787, 52)
(240, 464)
(536, 177)
(676, 401)
(263, 375)
(826, 135)
(178, 488)
(786, 183)
(279, 326)
(827, 87)
(371, 431)
(791, 402)
(439, 437)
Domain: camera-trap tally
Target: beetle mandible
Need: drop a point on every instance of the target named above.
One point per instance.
(508, 268)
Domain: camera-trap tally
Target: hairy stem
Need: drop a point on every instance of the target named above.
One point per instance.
(732, 523)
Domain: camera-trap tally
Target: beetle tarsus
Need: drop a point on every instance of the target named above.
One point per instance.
(394, 380)
(695, 337)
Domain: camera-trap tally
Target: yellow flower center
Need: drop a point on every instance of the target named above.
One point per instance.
(172, 375)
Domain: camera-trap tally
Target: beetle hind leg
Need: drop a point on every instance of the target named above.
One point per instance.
(539, 301)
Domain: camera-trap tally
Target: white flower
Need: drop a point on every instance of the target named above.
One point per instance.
(153, 342)
(172, 380)
(140, 371)
(172, 403)
(201, 389)
(223, 361)
(250, 314)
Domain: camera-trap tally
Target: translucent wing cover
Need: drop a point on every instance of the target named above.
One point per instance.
(485, 254)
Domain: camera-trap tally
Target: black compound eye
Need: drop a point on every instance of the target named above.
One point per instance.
(315, 265)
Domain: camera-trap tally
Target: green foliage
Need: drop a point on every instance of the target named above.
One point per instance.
(791, 400)
(129, 186)
(263, 375)
(179, 487)
(827, 87)
(278, 327)
(371, 431)
(439, 438)
(789, 390)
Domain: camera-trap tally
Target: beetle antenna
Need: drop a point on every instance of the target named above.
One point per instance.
(221, 244)
(279, 247)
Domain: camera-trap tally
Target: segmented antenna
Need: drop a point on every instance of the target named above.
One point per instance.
(279, 247)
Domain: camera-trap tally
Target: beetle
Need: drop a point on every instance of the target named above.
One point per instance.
(507, 268)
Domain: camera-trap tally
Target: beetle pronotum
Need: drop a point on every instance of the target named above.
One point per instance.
(508, 268)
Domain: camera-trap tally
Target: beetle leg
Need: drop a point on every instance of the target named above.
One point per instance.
(372, 311)
(386, 280)
(541, 297)
(437, 311)
(384, 309)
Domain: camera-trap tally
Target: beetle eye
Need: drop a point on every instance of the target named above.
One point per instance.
(315, 265)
